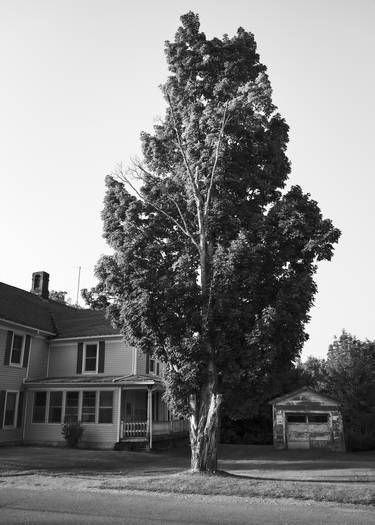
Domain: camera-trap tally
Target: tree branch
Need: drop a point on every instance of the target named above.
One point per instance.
(183, 229)
(182, 151)
(219, 141)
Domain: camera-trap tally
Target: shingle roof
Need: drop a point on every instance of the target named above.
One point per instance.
(61, 320)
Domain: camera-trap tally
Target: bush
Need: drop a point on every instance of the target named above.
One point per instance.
(360, 432)
(72, 432)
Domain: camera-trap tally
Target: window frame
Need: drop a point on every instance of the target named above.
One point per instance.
(15, 417)
(85, 345)
(11, 363)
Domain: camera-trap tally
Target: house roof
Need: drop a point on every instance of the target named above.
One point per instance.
(131, 379)
(57, 319)
(302, 390)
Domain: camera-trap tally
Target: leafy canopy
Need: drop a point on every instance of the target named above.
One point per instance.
(222, 133)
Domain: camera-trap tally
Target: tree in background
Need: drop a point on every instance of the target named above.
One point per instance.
(348, 375)
(59, 297)
(213, 260)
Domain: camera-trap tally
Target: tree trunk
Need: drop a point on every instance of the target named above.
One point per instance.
(205, 432)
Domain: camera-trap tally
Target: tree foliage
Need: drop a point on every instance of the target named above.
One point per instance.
(59, 296)
(214, 259)
(348, 375)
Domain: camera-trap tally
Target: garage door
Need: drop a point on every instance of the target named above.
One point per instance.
(307, 430)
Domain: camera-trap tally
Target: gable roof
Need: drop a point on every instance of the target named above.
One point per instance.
(57, 319)
(302, 390)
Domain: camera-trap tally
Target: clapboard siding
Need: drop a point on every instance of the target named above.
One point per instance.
(63, 358)
(97, 435)
(118, 358)
(38, 358)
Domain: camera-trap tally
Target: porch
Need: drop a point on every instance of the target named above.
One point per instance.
(145, 418)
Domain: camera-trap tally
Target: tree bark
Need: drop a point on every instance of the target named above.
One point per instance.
(205, 431)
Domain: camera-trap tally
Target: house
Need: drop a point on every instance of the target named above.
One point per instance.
(59, 363)
(306, 419)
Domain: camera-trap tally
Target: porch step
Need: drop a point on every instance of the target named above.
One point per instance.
(134, 446)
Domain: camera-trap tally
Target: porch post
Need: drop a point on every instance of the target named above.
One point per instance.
(119, 426)
(149, 416)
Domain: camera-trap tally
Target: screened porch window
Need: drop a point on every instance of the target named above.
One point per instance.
(55, 407)
(71, 406)
(88, 407)
(40, 403)
(105, 407)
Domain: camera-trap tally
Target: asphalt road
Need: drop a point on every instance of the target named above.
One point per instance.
(20, 506)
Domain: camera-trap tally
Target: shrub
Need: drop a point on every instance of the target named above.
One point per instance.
(72, 432)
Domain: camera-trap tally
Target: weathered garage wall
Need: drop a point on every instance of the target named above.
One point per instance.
(305, 419)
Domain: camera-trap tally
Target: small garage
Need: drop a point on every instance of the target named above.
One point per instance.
(305, 419)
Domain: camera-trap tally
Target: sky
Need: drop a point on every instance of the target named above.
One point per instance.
(80, 82)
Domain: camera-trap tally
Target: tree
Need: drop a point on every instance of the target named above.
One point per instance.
(59, 296)
(351, 371)
(213, 260)
(314, 373)
(94, 298)
(348, 375)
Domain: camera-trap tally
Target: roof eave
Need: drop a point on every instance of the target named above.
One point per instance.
(27, 327)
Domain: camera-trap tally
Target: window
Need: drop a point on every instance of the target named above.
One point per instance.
(17, 349)
(71, 406)
(318, 418)
(296, 418)
(154, 366)
(88, 407)
(90, 358)
(10, 409)
(55, 407)
(105, 407)
(40, 403)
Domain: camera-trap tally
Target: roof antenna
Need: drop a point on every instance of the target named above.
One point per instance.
(79, 279)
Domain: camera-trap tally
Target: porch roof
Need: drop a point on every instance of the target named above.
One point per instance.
(130, 379)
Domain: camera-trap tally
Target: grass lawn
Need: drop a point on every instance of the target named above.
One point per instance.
(230, 485)
(251, 471)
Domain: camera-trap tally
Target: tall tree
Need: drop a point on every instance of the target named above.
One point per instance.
(213, 260)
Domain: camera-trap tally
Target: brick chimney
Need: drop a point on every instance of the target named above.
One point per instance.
(39, 284)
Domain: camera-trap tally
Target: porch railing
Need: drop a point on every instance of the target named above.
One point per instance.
(138, 429)
(135, 429)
